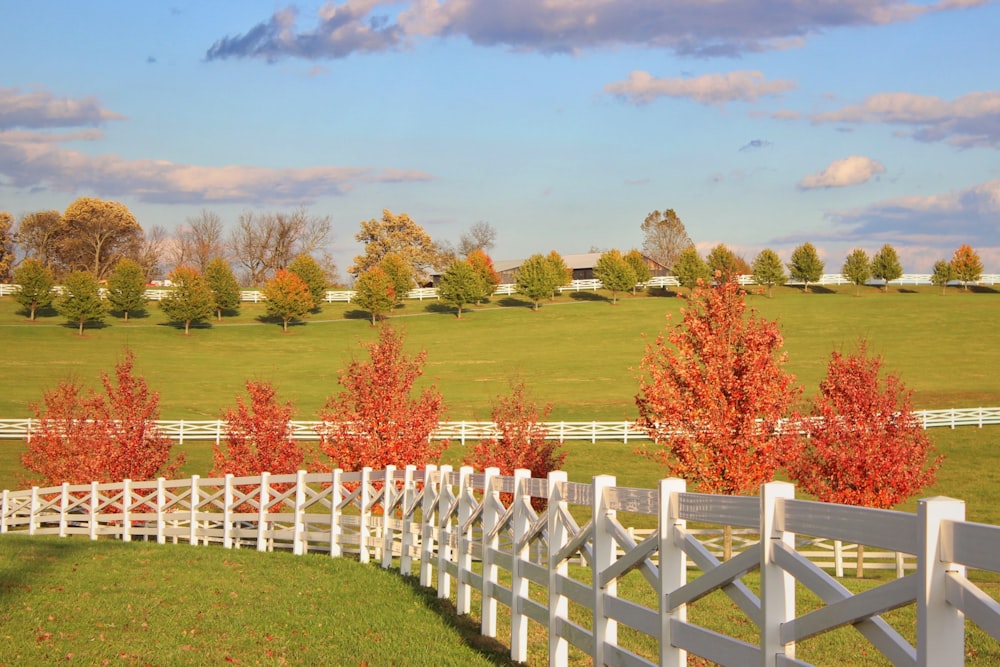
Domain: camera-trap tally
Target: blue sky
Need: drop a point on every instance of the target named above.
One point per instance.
(562, 123)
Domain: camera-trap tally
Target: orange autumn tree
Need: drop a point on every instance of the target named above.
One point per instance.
(258, 436)
(714, 392)
(376, 420)
(864, 444)
(83, 436)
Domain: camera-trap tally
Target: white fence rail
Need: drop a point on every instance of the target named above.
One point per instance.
(454, 530)
(464, 431)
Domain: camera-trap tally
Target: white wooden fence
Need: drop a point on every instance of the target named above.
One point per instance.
(464, 431)
(453, 529)
(507, 289)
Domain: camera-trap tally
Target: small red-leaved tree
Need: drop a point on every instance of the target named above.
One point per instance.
(258, 439)
(521, 439)
(258, 436)
(864, 445)
(714, 393)
(84, 437)
(375, 421)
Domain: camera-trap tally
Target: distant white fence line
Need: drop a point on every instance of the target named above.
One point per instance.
(454, 530)
(592, 284)
(463, 431)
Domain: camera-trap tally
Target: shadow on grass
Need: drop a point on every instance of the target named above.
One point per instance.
(132, 314)
(514, 302)
(983, 289)
(89, 326)
(443, 308)
(357, 314)
(467, 628)
(588, 296)
(26, 561)
(273, 319)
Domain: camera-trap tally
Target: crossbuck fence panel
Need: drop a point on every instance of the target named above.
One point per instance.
(559, 566)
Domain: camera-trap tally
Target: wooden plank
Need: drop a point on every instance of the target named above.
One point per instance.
(886, 529)
(574, 590)
(712, 579)
(978, 607)
(713, 646)
(632, 559)
(575, 635)
(974, 545)
(851, 610)
(741, 511)
(620, 657)
(633, 615)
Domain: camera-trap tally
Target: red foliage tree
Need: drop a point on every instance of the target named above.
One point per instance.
(87, 437)
(258, 436)
(375, 421)
(865, 446)
(520, 441)
(714, 392)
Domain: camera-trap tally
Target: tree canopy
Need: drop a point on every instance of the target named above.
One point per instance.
(767, 270)
(615, 273)
(690, 268)
(966, 265)
(397, 234)
(537, 279)
(665, 237)
(36, 281)
(460, 285)
(190, 300)
(96, 234)
(81, 300)
(886, 266)
(127, 288)
(806, 266)
(288, 297)
(857, 269)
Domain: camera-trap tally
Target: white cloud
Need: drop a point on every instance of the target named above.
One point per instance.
(41, 109)
(689, 27)
(744, 86)
(969, 120)
(852, 170)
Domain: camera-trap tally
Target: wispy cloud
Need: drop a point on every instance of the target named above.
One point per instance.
(970, 215)
(755, 145)
(41, 109)
(687, 27)
(743, 86)
(852, 170)
(32, 156)
(967, 121)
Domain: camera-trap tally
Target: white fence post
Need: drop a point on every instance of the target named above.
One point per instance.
(491, 515)
(558, 537)
(195, 500)
(227, 512)
(388, 533)
(94, 514)
(444, 534)
(406, 527)
(33, 511)
(940, 626)
(520, 554)
(364, 500)
(605, 553)
(673, 567)
(63, 509)
(777, 587)
(263, 499)
(336, 514)
(463, 599)
(300, 545)
(6, 509)
(161, 500)
(126, 513)
(427, 537)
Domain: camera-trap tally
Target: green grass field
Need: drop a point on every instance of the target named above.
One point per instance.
(579, 353)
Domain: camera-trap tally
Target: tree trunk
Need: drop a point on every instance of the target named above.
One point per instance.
(81, 327)
(727, 543)
(187, 327)
(859, 570)
(284, 325)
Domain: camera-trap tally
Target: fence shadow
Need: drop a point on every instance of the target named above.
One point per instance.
(466, 626)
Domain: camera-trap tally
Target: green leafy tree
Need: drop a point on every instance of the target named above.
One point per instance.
(537, 279)
(639, 266)
(690, 268)
(886, 266)
(401, 274)
(767, 270)
(483, 265)
(312, 274)
(288, 297)
(615, 273)
(943, 274)
(36, 282)
(6, 245)
(806, 266)
(222, 282)
(665, 237)
(561, 274)
(81, 300)
(857, 269)
(191, 299)
(461, 284)
(127, 288)
(724, 263)
(966, 266)
(374, 291)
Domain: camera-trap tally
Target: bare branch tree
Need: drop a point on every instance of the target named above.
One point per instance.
(262, 243)
(481, 236)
